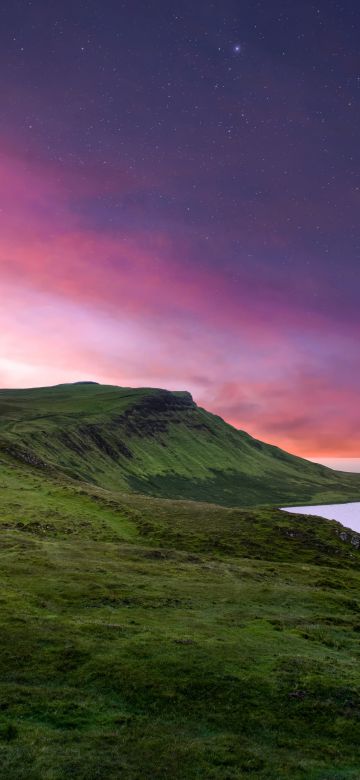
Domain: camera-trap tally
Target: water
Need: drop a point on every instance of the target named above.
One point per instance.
(347, 514)
(339, 464)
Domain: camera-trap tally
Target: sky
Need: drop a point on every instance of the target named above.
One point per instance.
(179, 200)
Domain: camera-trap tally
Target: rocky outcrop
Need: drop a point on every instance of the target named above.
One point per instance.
(350, 538)
(24, 455)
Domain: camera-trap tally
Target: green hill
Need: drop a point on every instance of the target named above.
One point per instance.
(159, 443)
(148, 638)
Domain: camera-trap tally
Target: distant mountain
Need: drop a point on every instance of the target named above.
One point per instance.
(158, 443)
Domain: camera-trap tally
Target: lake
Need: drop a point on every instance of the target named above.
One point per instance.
(347, 514)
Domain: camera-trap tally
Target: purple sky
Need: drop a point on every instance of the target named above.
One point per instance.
(179, 199)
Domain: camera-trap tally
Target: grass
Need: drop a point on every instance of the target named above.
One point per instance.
(149, 638)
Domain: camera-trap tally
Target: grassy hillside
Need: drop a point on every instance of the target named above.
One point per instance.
(150, 638)
(157, 443)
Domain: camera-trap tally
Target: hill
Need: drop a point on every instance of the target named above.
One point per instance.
(151, 636)
(158, 443)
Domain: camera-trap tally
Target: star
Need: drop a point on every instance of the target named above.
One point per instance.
(237, 48)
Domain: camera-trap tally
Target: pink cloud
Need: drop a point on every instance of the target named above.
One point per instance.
(147, 273)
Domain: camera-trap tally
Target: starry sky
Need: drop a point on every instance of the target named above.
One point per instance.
(179, 201)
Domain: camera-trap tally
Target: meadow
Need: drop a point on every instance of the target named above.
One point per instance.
(148, 638)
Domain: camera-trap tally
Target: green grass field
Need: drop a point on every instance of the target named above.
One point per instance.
(148, 637)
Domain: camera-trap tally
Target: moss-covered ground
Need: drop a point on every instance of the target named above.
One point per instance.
(152, 639)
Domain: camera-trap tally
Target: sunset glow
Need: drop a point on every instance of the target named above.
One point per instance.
(140, 258)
